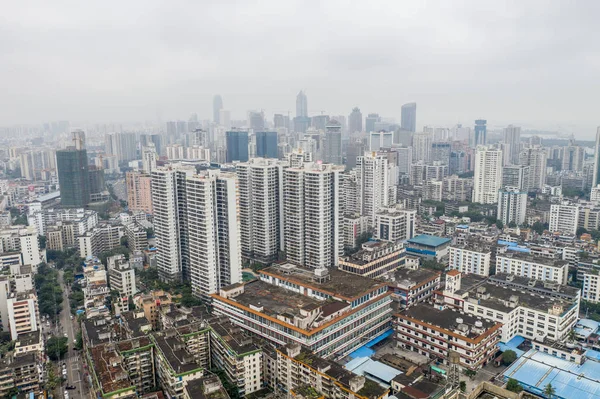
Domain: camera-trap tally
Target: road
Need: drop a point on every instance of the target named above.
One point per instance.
(72, 358)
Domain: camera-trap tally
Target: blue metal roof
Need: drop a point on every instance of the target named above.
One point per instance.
(429, 240)
(378, 371)
(534, 370)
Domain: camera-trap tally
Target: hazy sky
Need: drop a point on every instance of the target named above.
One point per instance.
(533, 63)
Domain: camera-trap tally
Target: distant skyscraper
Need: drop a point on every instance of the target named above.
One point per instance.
(409, 117)
(266, 145)
(333, 143)
(320, 121)
(516, 176)
(596, 176)
(379, 140)
(217, 107)
(237, 145)
(480, 132)
(73, 178)
(301, 105)
(355, 122)
(512, 139)
(256, 121)
(370, 121)
(488, 175)
(422, 146)
(535, 158)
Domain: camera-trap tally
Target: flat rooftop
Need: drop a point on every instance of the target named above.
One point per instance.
(233, 337)
(428, 240)
(275, 300)
(499, 295)
(180, 360)
(206, 388)
(410, 278)
(470, 281)
(550, 286)
(108, 369)
(340, 284)
(523, 256)
(446, 319)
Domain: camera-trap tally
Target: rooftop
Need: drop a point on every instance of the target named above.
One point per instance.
(499, 297)
(449, 320)
(410, 278)
(428, 240)
(534, 259)
(549, 286)
(209, 387)
(339, 283)
(30, 338)
(173, 350)
(233, 337)
(108, 370)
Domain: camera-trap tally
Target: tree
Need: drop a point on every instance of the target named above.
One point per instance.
(499, 224)
(508, 357)
(549, 391)
(470, 373)
(42, 241)
(56, 347)
(512, 225)
(11, 393)
(513, 385)
(463, 386)
(538, 227)
(149, 232)
(79, 341)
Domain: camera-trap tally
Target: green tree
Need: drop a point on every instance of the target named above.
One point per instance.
(513, 385)
(499, 224)
(463, 386)
(470, 373)
(508, 357)
(79, 341)
(549, 391)
(42, 241)
(56, 347)
(53, 379)
(539, 227)
(11, 393)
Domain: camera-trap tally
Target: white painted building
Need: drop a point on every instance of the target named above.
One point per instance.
(395, 224)
(591, 287)
(533, 267)
(312, 218)
(372, 172)
(470, 259)
(488, 175)
(512, 206)
(564, 218)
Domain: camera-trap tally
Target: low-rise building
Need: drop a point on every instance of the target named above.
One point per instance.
(410, 287)
(209, 387)
(591, 286)
(434, 333)
(303, 374)
(539, 268)
(471, 257)
(375, 259)
(330, 311)
(429, 247)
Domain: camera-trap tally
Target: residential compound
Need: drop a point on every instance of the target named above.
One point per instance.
(328, 311)
(526, 307)
(534, 267)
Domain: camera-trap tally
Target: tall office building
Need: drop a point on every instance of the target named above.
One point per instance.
(146, 139)
(256, 121)
(480, 132)
(512, 139)
(512, 206)
(596, 175)
(373, 180)
(409, 117)
(422, 146)
(217, 107)
(370, 122)
(266, 145)
(333, 143)
(535, 158)
(573, 157)
(121, 145)
(301, 105)
(237, 145)
(312, 217)
(73, 178)
(516, 176)
(320, 122)
(355, 122)
(196, 219)
(379, 140)
(488, 175)
(213, 230)
(261, 208)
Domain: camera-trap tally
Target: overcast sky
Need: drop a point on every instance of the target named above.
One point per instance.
(532, 63)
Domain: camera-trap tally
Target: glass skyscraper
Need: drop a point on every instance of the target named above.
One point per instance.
(72, 165)
(266, 145)
(237, 146)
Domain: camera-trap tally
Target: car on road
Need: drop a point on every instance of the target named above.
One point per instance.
(66, 395)
(70, 387)
(66, 335)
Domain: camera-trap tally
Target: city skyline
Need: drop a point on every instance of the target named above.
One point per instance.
(503, 68)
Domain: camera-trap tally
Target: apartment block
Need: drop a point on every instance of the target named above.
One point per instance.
(564, 218)
(394, 224)
(139, 191)
(436, 332)
(591, 287)
(23, 313)
(412, 286)
(375, 259)
(524, 265)
(303, 374)
(471, 257)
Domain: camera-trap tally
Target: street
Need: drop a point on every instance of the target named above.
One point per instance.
(72, 358)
